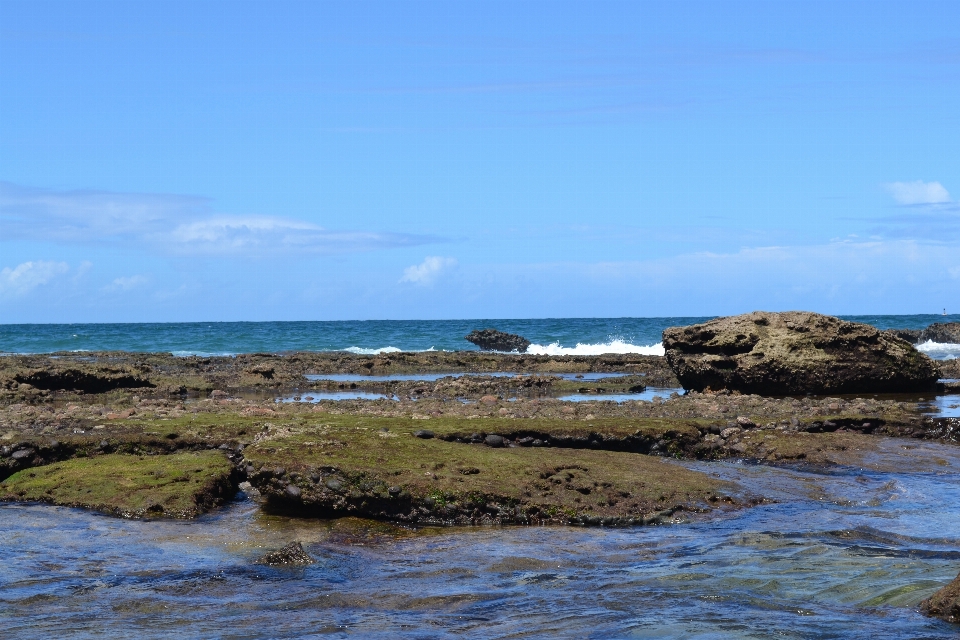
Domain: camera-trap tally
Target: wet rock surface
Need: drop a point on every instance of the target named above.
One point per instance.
(493, 340)
(944, 332)
(945, 603)
(795, 353)
(291, 555)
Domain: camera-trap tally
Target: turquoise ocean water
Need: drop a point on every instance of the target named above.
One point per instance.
(549, 335)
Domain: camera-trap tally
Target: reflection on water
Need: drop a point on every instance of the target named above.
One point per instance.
(947, 406)
(433, 377)
(844, 554)
(317, 396)
(647, 394)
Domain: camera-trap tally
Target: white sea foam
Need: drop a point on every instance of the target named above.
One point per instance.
(372, 352)
(940, 350)
(614, 346)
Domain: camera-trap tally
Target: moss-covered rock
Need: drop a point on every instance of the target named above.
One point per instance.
(352, 468)
(181, 485)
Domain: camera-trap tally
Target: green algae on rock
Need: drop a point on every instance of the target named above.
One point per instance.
(181, 485)
(374, 471)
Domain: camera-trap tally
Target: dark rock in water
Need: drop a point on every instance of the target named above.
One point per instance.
(946, 332)
(493, 340)
(910, 335)
(944, 604)
(493, 440)
(943, 332)
(291, 555)
(792, 353)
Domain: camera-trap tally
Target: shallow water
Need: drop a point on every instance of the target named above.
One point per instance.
(945, 406)
(433, 377)
(647, 394)
(846, 553)
(317, 396)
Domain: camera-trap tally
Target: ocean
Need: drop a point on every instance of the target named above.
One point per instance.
(552, 336)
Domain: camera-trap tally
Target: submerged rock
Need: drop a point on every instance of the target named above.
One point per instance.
(493, 340)
(793, 353)
(291, 555)
(945, 603)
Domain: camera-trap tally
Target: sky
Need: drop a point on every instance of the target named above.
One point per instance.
(202, 161)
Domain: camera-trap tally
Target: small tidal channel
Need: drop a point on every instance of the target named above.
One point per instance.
(845, 553)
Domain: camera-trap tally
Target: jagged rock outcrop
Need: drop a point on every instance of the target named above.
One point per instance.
(493, 340)
(945, 603)
(946, 332)
(910, 335)
(795, 352)
(943, 332)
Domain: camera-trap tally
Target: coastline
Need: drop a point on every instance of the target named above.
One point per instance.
(491, 449)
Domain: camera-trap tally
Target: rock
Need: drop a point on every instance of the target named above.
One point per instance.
(292, 491)
(21, 454)
(910, 335)
(426, 434)
(493, 340)
(493, 440)
(943, 332)
(291, 555)
(948, 332)
(792, 353)
(745, 422)
(218, 394)
(488, 399)
(945, 603)
(731, 431)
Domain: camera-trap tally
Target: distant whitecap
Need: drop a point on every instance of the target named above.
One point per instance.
(614, 346)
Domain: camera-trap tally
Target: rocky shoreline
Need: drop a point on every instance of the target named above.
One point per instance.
(147, 406)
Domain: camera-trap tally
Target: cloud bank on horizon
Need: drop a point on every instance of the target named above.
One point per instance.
(476, 159)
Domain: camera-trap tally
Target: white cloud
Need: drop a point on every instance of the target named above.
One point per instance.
(27, 276)
(126, 283)
(918, 192)
(428, 271)
(173, 224)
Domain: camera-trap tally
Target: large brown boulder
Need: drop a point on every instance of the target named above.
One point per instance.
(944, 604)
(795, 352)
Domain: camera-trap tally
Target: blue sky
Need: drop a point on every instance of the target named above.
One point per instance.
(320, 160)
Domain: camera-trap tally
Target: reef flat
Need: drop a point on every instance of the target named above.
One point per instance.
(119, 432)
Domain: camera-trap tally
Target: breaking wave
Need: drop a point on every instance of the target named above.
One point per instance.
(375, 352)
(940, 350)
(614, 346)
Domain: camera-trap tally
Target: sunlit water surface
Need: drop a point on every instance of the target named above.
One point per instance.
(844, 554)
